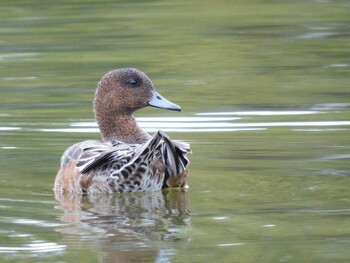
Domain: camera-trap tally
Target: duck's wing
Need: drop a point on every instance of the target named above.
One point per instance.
(88, 155)
(81, 158)
(105, 154)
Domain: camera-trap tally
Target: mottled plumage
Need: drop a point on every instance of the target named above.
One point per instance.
(127, 159)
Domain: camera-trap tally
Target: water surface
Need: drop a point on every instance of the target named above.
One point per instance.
(264, 90)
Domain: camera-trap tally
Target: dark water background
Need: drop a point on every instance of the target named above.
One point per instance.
(264, 88)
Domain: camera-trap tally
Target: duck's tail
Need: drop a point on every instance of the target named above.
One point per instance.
(174, 156)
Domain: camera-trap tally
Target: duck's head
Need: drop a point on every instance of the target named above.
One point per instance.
(126, 90)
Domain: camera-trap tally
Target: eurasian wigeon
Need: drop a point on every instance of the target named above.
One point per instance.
(127, 159)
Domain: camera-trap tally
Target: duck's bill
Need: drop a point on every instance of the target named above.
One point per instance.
(160, 102)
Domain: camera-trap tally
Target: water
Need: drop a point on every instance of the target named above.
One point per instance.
(264, 88)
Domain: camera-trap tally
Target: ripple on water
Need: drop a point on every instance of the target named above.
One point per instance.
(24, 234)
(40, 247)
(230, 121)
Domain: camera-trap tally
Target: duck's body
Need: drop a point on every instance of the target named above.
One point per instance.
(128, 159)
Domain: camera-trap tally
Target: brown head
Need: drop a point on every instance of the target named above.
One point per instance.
(126, 90)
(121, 92)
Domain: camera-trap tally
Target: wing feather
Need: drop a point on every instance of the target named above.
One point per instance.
(90, 155)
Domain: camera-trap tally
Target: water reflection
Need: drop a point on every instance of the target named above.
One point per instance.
(23, 231)
(129, 227)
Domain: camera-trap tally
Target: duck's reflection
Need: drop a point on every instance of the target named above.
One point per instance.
(129, 227)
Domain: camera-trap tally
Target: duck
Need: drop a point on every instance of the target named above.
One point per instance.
(127, 158)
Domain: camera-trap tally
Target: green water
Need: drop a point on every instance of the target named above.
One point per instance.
(264, 90)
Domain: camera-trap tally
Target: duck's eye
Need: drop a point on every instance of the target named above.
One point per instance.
(133, 82)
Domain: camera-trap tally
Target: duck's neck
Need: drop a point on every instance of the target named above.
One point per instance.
(121, 127)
